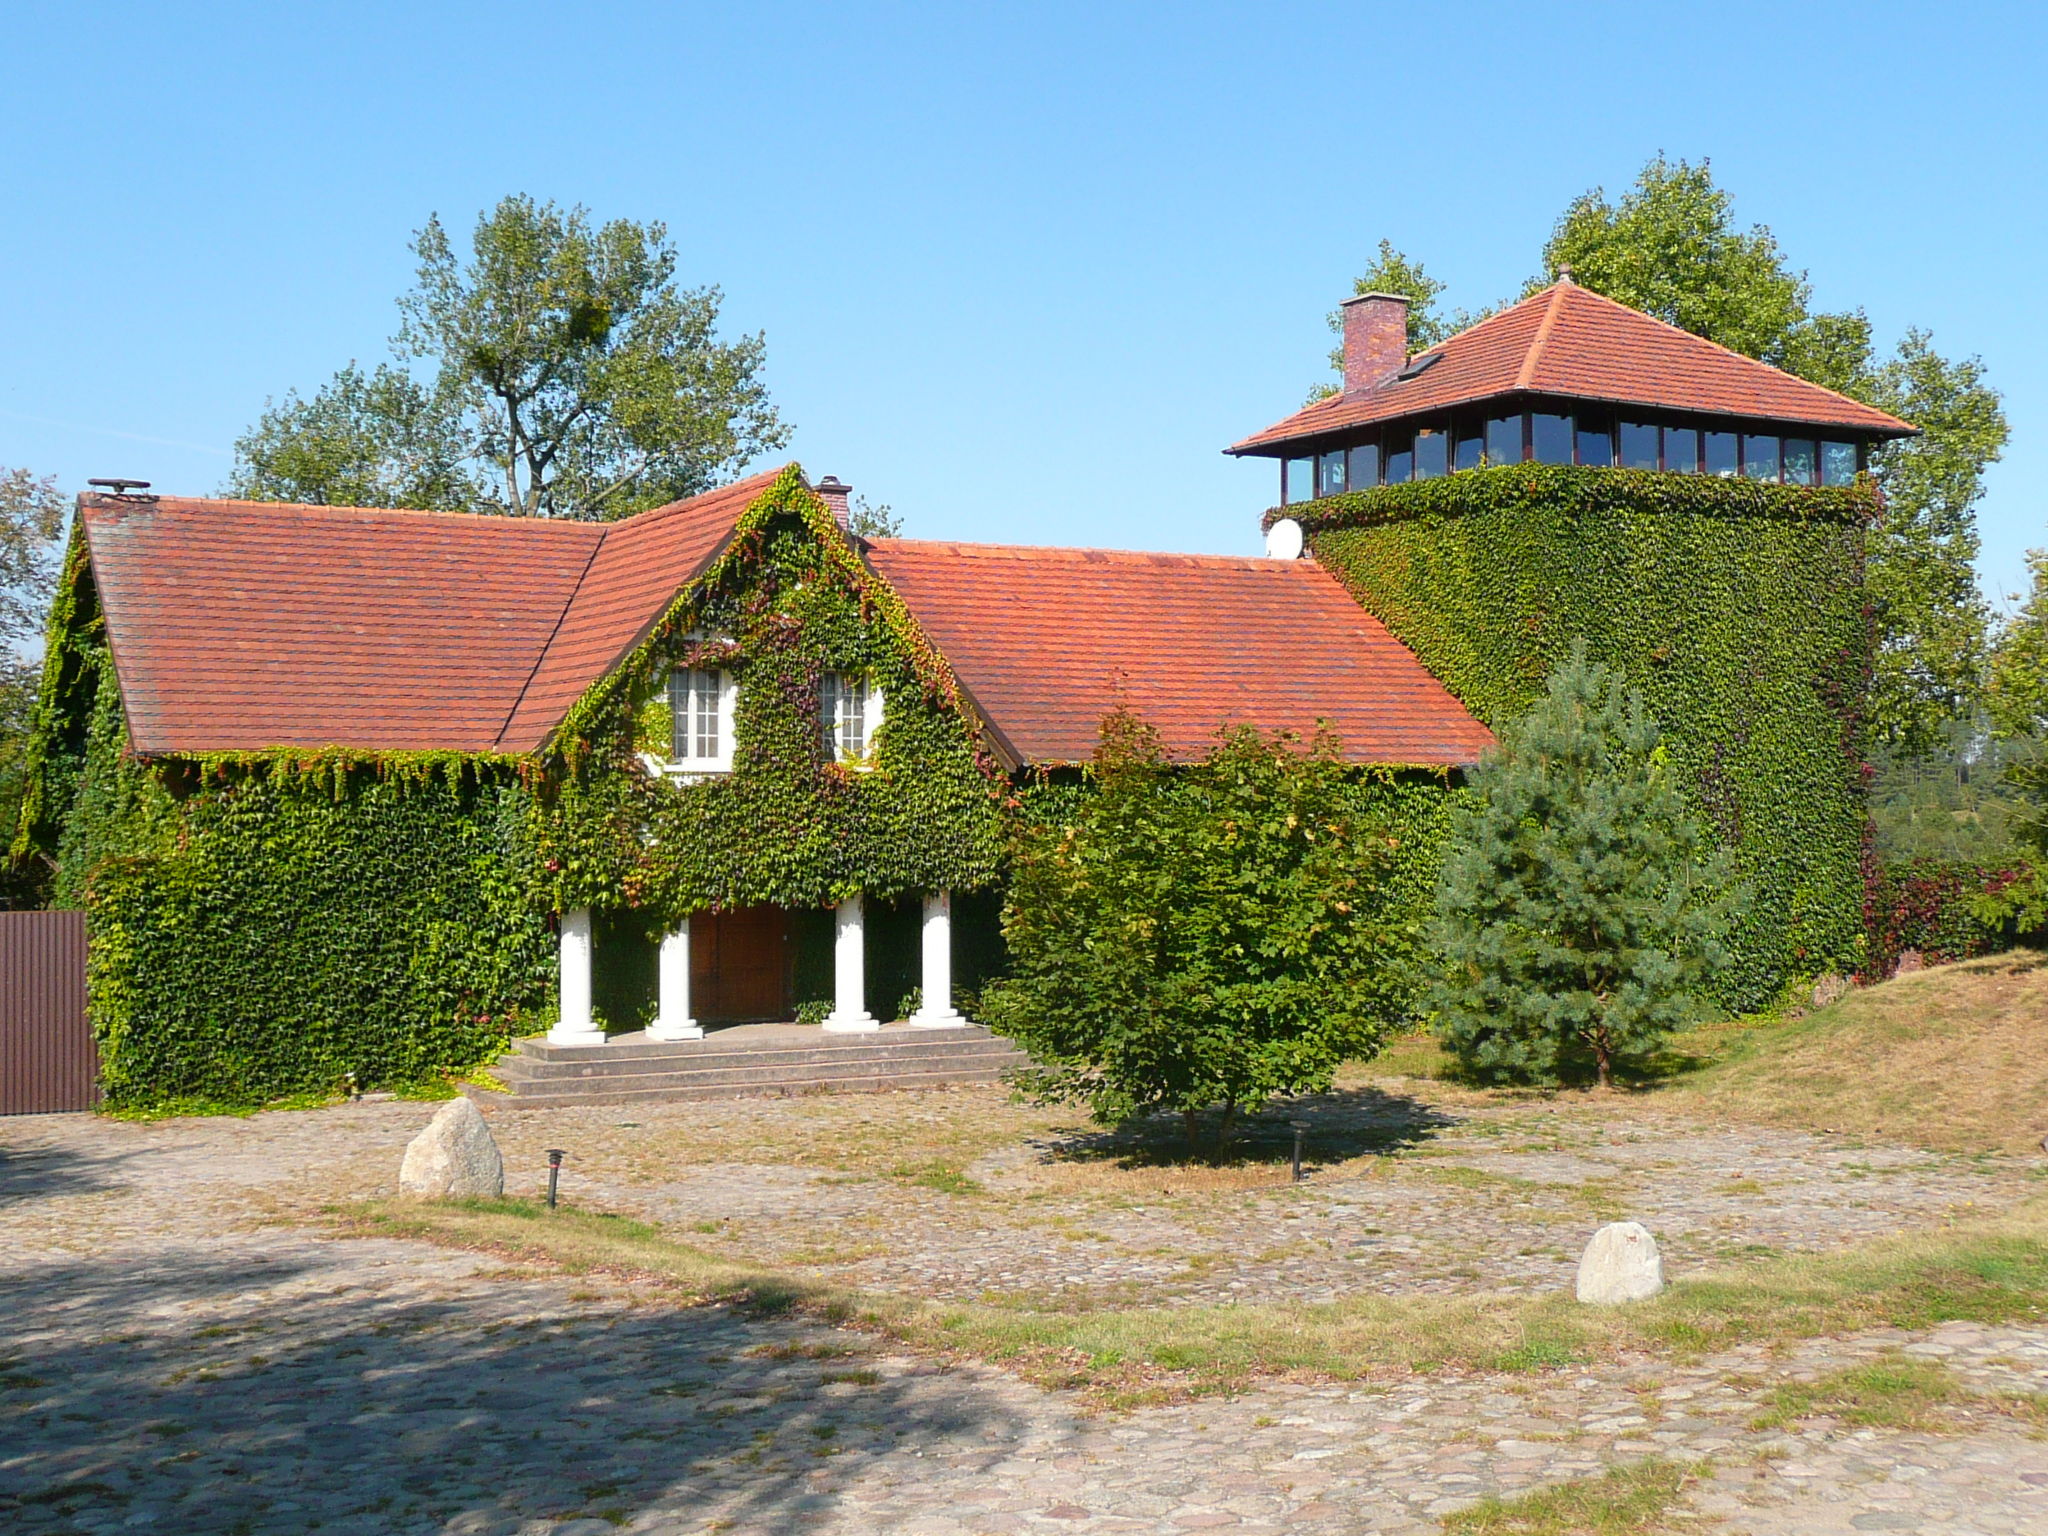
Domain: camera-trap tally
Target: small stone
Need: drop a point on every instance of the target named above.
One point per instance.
(1620, 1264)
(1910, 960)
(1831, 988)
(454, 1156)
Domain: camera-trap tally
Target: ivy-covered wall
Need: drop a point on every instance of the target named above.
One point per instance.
(264, 924)
(786, 604)
(1736, 607)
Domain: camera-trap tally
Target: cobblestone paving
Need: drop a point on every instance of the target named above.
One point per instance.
(179, 1358)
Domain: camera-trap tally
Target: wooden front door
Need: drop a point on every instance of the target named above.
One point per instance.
(740, 965)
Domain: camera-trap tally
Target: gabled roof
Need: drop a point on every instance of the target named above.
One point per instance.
(1048, 641)
(239, 625)
(1569, 341)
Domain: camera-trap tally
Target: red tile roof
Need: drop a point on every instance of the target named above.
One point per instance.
(1572, 342)
(642, 564)
(241, 625)
(1048, 641)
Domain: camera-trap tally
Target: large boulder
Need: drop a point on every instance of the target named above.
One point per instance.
(454, 1156)
(1620, 1264)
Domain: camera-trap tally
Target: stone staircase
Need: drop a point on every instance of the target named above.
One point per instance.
(745, 1061)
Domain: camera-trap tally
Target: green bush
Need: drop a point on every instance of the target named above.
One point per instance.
(1214, 934)
(1581, 910)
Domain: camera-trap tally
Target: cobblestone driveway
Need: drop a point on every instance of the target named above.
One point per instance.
(183, 1355)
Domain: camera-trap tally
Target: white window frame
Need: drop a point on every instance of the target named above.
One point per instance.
(685, 721)
(834, 687)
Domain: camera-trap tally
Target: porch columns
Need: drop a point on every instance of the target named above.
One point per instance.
(575, 1026)
(672, 1020)
(936, 1011)
(849, 972)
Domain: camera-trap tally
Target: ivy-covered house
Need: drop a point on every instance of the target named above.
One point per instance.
(359, 792)
(356, 792)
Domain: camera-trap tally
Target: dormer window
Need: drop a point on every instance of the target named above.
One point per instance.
(849, 712)
(700, 704)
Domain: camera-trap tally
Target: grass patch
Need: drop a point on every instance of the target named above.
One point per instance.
(936, 1174)
(1640, 1499)
(1893, 1392)
(1996, 1271)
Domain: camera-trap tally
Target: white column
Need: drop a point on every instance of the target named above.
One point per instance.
(575, 1026)
(849, 972)
(936, 1011)
(672, 1020)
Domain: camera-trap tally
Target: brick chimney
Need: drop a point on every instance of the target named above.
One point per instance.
(833, 492)
(1375, 339)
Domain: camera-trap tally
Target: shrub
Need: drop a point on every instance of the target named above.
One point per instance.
(1185, 937)
(1581, 908)
(1946, 909)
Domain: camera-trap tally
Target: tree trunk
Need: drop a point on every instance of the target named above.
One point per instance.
(1223, 1130)
(1187, 1119)
(1603, 1058)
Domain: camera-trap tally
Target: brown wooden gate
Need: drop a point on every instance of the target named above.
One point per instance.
(47, 1058)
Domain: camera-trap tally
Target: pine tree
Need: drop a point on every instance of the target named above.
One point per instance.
(1581, 905)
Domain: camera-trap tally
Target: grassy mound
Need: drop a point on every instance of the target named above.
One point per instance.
(1954, 1059)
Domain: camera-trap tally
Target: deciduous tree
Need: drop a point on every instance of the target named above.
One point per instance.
(31, 518)
(1197, 936)
(564, 373)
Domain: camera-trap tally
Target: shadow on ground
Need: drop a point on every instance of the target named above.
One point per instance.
(1341, 1124)
(245, 1394)
(50, 1173)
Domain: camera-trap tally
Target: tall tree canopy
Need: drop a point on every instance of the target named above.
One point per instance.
(556, 370)
(31, 518)
(1670, 246)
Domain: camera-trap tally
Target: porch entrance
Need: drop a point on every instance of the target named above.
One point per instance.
(741, 966)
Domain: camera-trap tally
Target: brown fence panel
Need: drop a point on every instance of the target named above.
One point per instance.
(47, 1058)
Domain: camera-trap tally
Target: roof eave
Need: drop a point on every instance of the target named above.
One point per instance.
(1261, 446)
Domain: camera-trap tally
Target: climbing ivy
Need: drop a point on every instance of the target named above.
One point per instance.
(1735, 607)
(267, 924)
(787, 603)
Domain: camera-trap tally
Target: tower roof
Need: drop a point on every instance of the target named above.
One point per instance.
(1570, 342)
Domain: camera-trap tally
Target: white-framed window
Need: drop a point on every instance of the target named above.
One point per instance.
(850, 712)
(700, 720)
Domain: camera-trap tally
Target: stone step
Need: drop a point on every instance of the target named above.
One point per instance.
(809, 1044)
(598, 1061)
(522, 1077)
(604, 1093)
(757, 1060)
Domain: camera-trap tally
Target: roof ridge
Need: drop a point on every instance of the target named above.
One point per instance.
(1482, 323)
(322, 509)
(974, 546)
(554, 629)
(1527, 372)
(649, 514)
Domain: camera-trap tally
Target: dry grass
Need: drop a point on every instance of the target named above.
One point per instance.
(1636, 1500)
(1991, 1272)
(1954, 1059)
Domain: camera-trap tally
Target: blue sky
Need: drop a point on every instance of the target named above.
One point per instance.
(1023, 271)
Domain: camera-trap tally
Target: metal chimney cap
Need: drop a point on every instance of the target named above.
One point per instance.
(121, 487)
(833, 483)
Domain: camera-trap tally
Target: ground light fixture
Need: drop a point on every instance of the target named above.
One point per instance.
(1300, 1131)
(555, 1156)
